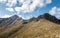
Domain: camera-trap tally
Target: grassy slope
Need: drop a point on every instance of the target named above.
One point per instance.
(40, 29)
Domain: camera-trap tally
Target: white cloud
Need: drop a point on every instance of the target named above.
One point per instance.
(19, 15)
(48, 1)
(21, 1)
(27, 5)
(3, 1)
(55, 11)
(11, 3)
(28, 17)
(58, 16)
(10, 9)
(6, 16)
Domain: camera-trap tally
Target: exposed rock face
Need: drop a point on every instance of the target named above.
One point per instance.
(7, 21)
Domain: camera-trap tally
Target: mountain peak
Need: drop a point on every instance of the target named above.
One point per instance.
(49, 17)
(15, 16)
(43, 16)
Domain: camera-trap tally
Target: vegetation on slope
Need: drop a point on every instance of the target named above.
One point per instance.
(40, 29)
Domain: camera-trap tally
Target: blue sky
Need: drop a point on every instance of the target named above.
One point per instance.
(27, 10)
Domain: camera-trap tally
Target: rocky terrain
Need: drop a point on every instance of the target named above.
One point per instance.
(44, 26)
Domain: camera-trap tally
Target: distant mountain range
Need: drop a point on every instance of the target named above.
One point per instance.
(14, 18)
(44, 16)
(16, 27)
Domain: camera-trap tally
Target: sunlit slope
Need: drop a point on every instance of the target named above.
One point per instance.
(38, 29)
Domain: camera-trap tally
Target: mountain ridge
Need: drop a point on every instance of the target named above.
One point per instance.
(44, 26)
(44, 16)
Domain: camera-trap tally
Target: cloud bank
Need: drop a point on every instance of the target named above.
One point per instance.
(27, 5)
(55, 11)
(3, 1)
(6, 16)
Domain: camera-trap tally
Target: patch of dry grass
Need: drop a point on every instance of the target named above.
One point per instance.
(40, 29)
